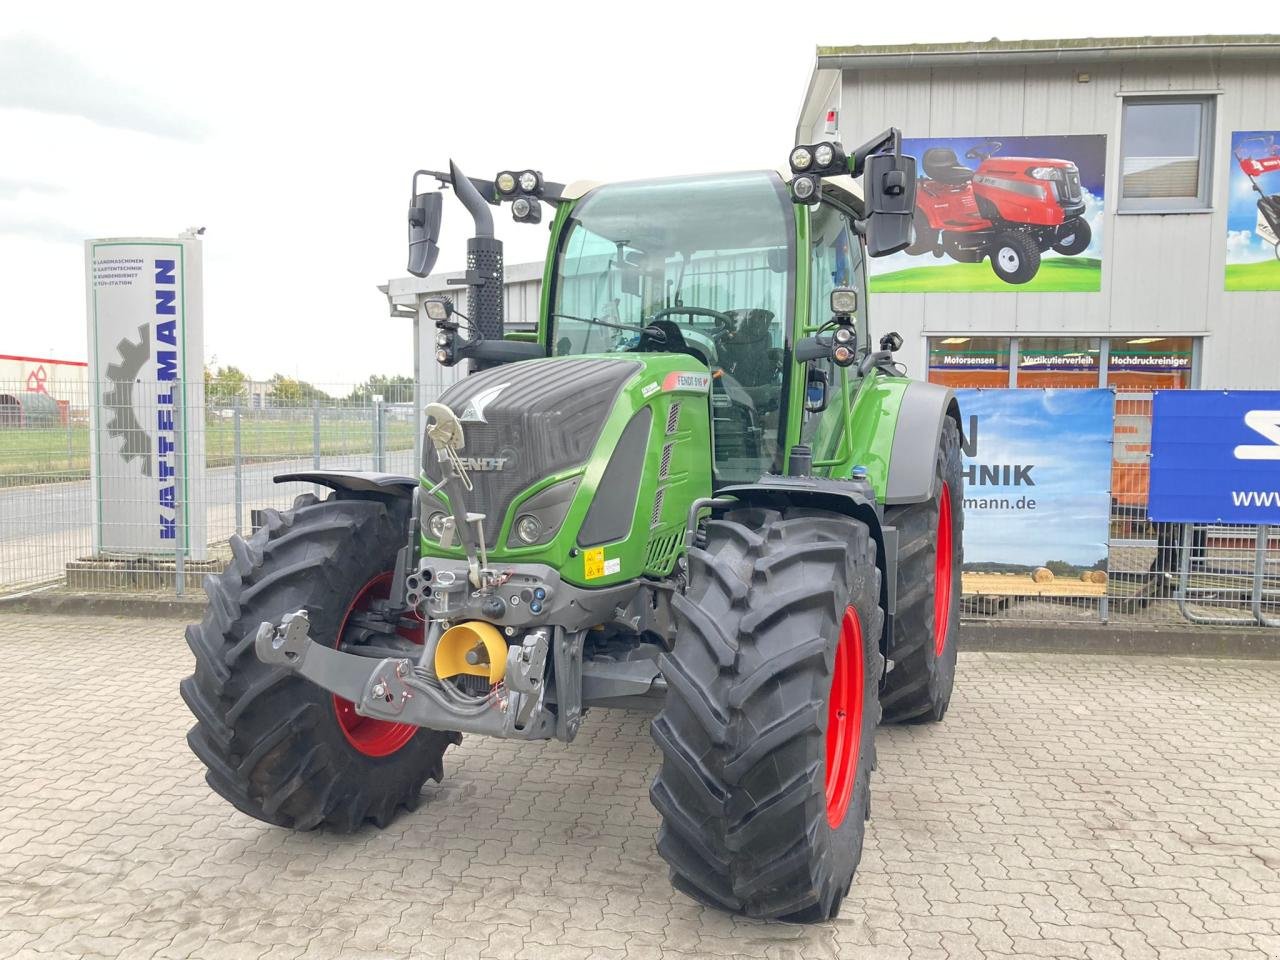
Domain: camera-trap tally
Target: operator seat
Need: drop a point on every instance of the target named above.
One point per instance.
(941, 164)
(750, 358)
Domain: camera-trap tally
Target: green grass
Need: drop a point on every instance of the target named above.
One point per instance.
(52, 454)
(1056, 275)
(1264, 275)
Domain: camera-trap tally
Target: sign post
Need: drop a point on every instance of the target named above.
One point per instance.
(146, 369)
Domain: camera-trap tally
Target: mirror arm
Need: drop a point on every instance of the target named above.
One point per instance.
(891, 137)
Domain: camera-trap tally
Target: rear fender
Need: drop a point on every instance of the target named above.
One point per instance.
(386, 486)
(916, 436)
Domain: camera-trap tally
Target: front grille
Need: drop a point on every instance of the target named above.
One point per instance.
(546, 417)
(656, 515)
(673, 418)
(1071, 187)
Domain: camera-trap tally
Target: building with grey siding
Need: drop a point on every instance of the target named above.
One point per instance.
(1164, 114)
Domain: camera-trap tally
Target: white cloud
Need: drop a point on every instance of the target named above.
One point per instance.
(1245, 246)
(37, 75)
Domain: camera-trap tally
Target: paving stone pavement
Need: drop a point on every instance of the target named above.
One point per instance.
(1088, 808)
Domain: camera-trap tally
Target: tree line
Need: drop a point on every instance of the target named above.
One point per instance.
(223, 385)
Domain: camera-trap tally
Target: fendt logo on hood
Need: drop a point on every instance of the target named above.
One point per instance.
(485, 464)
(474, 410)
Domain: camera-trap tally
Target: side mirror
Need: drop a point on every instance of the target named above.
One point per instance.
(424, 232)
(889, 189)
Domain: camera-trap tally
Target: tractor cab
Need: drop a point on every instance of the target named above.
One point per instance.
(701, 266)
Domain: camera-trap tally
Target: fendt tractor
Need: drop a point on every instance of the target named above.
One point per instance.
(700, 489)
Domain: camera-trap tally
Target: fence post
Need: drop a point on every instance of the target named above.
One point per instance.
(238, 461)
(179, 479)
(1261, 541)
(379, 448)
(315, 434)
(68, 425)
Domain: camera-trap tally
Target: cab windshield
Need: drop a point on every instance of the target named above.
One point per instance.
(692, 265)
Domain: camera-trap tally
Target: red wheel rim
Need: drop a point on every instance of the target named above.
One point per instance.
(368, 735)
(844, 719)
(943, 571)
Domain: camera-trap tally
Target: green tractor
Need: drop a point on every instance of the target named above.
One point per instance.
(700, 489)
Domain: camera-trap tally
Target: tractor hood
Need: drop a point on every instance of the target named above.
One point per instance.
(524, 421)
(587, 447)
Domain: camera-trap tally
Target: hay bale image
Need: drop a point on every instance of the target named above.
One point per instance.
(1042, 575)
(1098, 576)
(1086, 576)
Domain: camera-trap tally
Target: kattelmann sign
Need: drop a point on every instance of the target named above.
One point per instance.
(1215, 456)
(146, 367)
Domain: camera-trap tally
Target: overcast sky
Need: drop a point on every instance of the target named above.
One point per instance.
(291, 136)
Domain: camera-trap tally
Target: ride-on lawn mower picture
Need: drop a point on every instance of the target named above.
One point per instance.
(1258, 157)
(702, 489)
(1008, 209)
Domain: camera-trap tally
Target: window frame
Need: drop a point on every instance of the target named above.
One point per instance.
(1202, 202)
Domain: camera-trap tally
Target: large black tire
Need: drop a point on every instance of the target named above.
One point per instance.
(1015, 256)
(1074, 238)
(918, 687)
(742, 790)
(271, 740)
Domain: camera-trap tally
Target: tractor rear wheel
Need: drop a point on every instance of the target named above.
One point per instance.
(768, 729)
(1015, 257)
(278, 747)
(926, 626)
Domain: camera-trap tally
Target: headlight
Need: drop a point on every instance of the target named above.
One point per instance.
(506, 182)
(528, 528)
(1045, 173)
(442, 356)
(843, 355)
(844, 334)
(844, 302)
(801, 158)
(442, 339)
(435, 525)
(804, 187)
(824, 154)
(438, 310)
(528, 181)
(520, 208)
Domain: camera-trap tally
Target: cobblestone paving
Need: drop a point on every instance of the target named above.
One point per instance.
(1095, 808)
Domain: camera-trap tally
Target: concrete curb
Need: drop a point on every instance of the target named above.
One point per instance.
(1254, 643)
(1245, 643)
(105, 605)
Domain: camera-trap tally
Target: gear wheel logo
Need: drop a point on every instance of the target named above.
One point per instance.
(122, 421)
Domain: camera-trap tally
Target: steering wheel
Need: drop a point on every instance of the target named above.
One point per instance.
(724, 323)
(979, 152)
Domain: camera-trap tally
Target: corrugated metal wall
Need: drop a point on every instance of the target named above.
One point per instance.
(1162, 274)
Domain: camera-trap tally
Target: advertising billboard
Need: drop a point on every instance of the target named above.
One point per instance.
(1037, 497)
(146, 371)
(998, 214)
(1215, 456)
(1253, 211)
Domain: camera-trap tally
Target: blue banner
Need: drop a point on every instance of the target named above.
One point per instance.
(1037, 488)
(1215, 456)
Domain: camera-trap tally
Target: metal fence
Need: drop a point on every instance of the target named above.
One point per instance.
(62, 525)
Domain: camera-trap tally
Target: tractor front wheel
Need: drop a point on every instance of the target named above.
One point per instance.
(275, 745)
(768, 729)
(1074, 237)
(926, 626)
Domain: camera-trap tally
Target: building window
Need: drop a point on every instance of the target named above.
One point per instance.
(1166, 151)
(969, 361)
(1150, 363)
(1058, 361)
